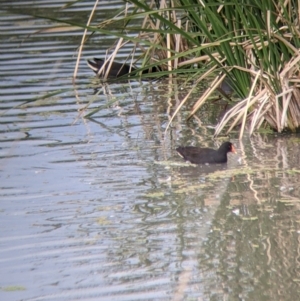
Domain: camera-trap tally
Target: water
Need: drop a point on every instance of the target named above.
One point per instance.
(104, 209)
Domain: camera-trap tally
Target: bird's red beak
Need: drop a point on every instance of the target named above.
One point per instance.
(233, 150)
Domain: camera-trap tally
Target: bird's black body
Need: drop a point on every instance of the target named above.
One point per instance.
(198, 155)
(115, 69)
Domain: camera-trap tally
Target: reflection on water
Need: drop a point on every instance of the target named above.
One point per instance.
(104, 209)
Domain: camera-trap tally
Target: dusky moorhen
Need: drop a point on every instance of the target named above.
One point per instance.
(116, 69)
(198, 155)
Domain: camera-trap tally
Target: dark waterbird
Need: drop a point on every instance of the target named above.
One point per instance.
(115, 69)
(198, 155)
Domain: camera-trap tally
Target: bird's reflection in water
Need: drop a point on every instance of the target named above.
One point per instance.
(194, 171)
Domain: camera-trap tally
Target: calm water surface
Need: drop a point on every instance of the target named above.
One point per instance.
(103, 208)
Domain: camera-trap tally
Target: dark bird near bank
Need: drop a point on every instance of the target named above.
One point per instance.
(115, 69)
(198, 155)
